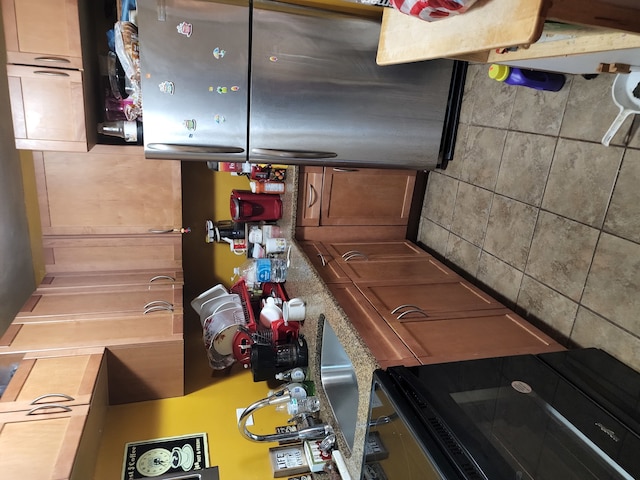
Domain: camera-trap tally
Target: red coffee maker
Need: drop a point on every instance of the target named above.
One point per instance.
(247, 206)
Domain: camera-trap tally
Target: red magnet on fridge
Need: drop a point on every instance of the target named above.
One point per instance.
(185, 29)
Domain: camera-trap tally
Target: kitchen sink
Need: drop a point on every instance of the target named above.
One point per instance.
(339, 382)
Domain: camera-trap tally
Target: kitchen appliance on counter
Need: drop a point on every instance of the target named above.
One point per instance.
(272, 82)
(572, 414)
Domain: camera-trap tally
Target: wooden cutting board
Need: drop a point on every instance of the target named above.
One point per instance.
(487, 25)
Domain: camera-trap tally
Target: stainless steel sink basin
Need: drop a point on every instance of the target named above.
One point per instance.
(339, 382)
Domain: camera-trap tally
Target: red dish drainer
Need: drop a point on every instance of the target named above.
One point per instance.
(279, 333)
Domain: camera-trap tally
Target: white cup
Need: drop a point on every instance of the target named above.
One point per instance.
(275, 245)
(270, 312)
(294, 310)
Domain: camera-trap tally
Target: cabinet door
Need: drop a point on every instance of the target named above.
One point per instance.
(141, 372)
(426, 302)
(328, 268)
(366, 196)
(90, 253)
(79, 282)
(97, 332)
(65, 380)
(42, 32)
(96, 304)
(403, 270)
(454, 339)
(41, 446)
(47, 106)
(110, 190)
(356, 251)
(309, 196)
(383, 342)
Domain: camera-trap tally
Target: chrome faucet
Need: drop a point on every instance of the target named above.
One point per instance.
(311, 432)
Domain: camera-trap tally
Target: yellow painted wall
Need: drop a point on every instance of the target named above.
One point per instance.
(33, 214)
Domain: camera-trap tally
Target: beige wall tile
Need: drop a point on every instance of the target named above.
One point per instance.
(440, 198)
(499, 276)
(482, 156)
(623, 216)
(539, 111)
(463, 254)
(471, 213)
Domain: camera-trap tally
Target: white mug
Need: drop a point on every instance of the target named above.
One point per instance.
(294, 310)
(270, 312)
(275, 245)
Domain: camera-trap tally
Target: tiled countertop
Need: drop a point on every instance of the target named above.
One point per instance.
(304, 282)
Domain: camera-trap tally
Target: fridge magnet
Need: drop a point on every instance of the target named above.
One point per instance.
(222, 90)
(190, 124)
(150, 458)
(273, 58)
(167, 87)
(218, 53)
(219, 118)
(185, 29)
(235, 88)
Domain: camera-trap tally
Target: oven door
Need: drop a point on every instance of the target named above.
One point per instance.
(399, 445)
(516, 418)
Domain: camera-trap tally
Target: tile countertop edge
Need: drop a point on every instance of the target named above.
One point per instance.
(304, 282)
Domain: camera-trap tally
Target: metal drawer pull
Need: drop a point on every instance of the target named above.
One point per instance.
(48, 405)
(422, 312)
(158, 308)
(322, 259)
(162, 277)
(52, 59)
(47, 395)
(406, 305)
(50, 73)
(158, 302)
(313, 197)
(355, 255)
(343, 169)
(349, 252)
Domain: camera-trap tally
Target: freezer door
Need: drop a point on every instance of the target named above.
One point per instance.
(194, 57)
(318, 96)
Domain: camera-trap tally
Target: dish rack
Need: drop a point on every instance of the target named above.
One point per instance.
(253, 332)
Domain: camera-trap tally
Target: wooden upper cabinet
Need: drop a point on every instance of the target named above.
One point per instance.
(366, 196)
(64, 380)
(43, 32)
(110, 190)
(48, 108)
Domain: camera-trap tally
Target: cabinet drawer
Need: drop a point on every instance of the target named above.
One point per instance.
(355, 251)
(309, 196)
(423, 269)
(87, 282)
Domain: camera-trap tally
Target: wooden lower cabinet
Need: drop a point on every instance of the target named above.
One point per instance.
(410, 309)
(51, 444)
(466, 338)
(429, 300)
(385, 345)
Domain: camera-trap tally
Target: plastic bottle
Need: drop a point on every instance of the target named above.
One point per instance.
(527, 78)
(296, 406)
(294, 375)
(266, 187)
(131, 132)
(258, 270)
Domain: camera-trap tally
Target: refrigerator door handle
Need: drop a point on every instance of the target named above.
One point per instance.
(272, 152)
(203, 149)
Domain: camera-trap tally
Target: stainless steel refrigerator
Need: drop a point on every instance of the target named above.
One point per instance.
(271, 82)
